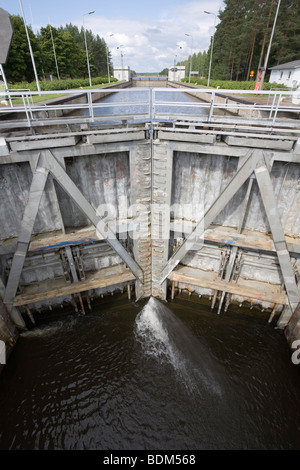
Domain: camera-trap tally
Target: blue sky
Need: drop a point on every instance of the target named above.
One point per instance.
(152, 35)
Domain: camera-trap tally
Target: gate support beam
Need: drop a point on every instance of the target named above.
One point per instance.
(35, 194)
(234, 249)
(75, 194)
(269, 201)
(251, 162)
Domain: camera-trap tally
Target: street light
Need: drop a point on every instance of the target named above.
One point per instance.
(269, 49)
(180, 47)
(86, 48)
(119, 47)
(191, 56)
(212, 44)
(30, 50)
(108, 71)
(54, 52)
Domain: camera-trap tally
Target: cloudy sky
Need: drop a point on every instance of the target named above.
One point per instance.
(151, 35)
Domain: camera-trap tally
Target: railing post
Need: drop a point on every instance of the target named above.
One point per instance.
(90, 102)
(26, 111)
(211, 106)
(151, 104)
(277, 106)
(272, 106)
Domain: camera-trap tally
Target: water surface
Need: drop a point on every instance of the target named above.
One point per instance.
(152, 376)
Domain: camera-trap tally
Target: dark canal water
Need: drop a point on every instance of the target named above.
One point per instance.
(151, 376)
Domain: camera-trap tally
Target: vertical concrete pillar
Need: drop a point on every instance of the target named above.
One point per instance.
(162, 165)
(140, 201)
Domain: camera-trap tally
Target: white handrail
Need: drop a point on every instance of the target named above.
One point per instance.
(146, 103)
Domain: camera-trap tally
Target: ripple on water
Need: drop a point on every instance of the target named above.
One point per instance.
(158, 377)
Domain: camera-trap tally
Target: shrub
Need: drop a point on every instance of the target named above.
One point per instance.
(231, 84)
(67, 84)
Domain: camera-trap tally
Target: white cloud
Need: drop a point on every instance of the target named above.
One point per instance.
(150, 46)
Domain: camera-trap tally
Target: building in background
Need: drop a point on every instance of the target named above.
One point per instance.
(287, 74)
(176, 73)
(122, 73)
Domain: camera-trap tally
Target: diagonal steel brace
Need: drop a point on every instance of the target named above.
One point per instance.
(252, 160)
(34, 198)
(75, 194)
(267, 194)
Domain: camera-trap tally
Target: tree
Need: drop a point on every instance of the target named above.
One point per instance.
(72, 58)
(242, 36)
(47, 49)
(19, 64)
(70, 52)
(97, 48)
(286, 41)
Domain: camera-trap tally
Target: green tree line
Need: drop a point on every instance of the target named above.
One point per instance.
(242, 37)
(197, 63)
(66, 44)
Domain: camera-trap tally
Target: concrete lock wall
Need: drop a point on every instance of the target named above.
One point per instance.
(132, 180)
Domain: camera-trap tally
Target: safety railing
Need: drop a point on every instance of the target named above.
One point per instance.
(227, 105)
(102, 106)
(95, 106)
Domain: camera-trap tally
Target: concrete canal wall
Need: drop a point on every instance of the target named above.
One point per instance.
(150, 189)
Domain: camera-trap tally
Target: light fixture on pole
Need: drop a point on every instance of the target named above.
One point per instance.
(57, 71)
(269, 49)
(119, 47)
(108, 71)
(180, 47)
(191, 56)
(212, 44)
(86, 48)
(30, 49)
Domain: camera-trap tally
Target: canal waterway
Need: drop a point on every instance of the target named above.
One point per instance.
(152, 376)
(144, 106)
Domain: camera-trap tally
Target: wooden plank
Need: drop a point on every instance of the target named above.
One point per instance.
(51, 289)
(247, 239)
(247, 288)
(60, 240)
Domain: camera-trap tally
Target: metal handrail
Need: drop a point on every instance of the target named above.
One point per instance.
(207, 105)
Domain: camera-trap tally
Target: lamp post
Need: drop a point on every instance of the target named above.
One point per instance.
(180, 60)
(108, 71)
(269, 49)
(57, 71)
(180, 47)
(212, 44)
(86, 48)
(121, 53)
(30, 50)
(122, 71)
(191, 56)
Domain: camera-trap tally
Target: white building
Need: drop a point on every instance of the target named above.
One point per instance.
(123, 73)
(286, 74)
(176, 73)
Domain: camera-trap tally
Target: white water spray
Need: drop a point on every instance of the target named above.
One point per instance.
(164, 337)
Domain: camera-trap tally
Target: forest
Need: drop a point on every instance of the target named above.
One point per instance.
(240, 42)
(69, 45)
(242, 37)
